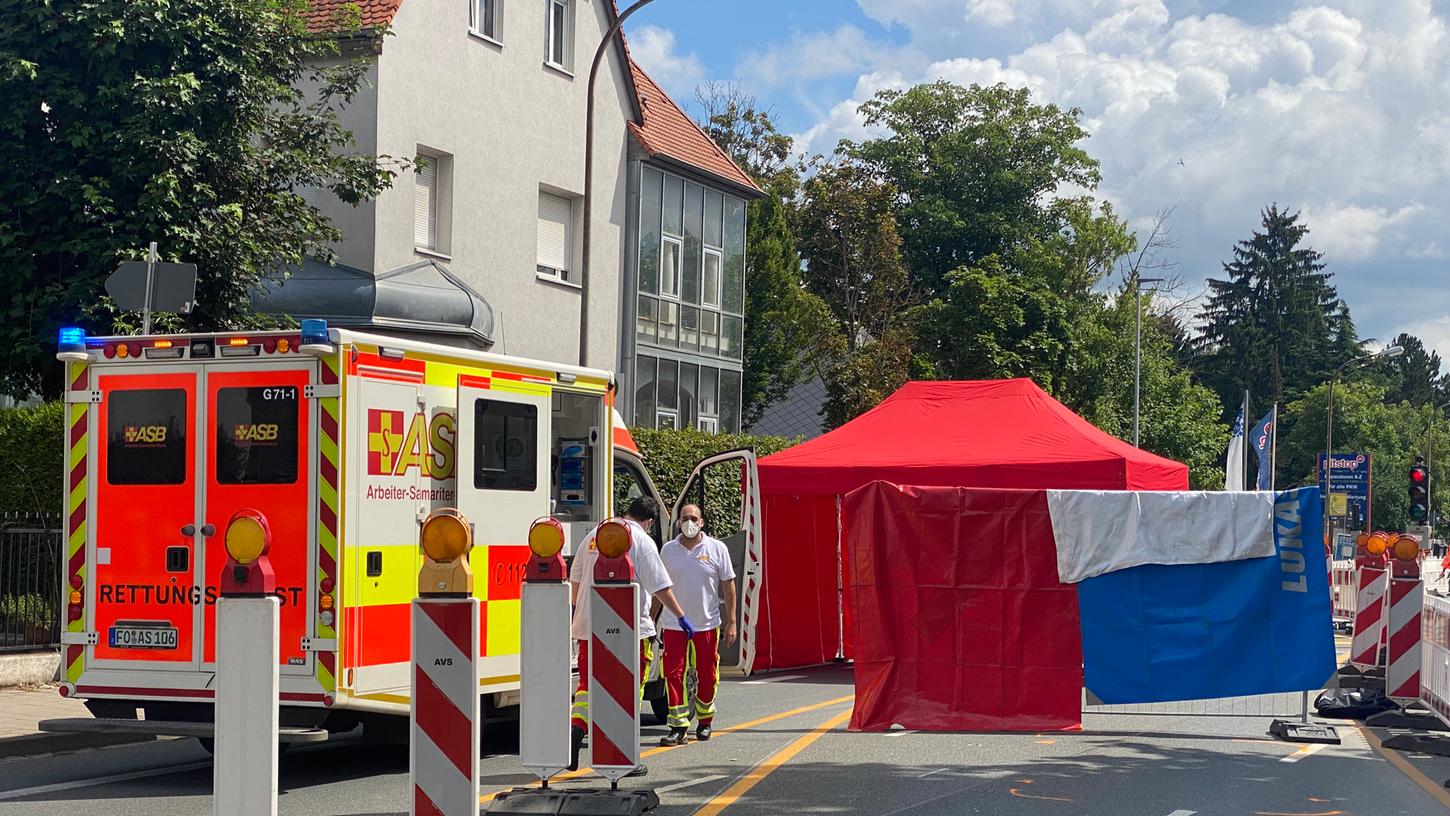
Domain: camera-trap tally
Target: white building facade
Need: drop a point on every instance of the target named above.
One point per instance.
(491, 96)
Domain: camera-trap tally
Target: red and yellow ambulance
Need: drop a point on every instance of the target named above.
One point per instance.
(345, 441)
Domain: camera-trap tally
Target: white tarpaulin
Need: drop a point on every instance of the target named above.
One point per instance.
(1100, 531)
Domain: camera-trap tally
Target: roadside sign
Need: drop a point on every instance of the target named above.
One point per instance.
(1352, 481)
(1343, 546)
(173, 289)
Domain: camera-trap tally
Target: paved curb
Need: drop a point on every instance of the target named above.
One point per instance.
(45, 743)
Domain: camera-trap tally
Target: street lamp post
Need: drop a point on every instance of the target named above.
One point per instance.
(1138, 346)
(589, 177)
(1387, 353)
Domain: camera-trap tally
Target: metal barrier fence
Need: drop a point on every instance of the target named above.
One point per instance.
(1288, 704)
(30, 602)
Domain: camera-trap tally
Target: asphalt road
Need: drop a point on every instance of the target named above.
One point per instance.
(781, 746)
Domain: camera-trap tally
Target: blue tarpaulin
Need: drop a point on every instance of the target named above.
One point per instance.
(1197, 631)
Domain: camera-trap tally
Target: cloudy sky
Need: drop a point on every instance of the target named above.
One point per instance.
(1338, 108)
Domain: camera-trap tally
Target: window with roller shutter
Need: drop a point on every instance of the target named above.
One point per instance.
(555, 235)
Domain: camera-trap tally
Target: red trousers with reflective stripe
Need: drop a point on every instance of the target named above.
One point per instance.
(702, 651)
(580, 711)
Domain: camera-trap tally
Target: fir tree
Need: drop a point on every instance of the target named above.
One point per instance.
(1275, 324)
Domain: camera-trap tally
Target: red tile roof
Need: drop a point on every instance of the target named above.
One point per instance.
(373, 12)
(665, 130)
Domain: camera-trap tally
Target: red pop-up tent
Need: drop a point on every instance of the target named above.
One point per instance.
(992, 433)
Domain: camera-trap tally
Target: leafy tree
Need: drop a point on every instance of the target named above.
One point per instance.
(976, 171)
(183, 122)
(1364, 420)
(736, 123)
(1274, 325)
(1414, 376)
(854, 265)
(1178, 418)
(785, 325)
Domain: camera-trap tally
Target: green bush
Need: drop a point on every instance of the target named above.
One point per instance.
(30, 459)
(671, 456)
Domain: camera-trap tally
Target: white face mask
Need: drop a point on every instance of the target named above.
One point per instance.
(690, 528)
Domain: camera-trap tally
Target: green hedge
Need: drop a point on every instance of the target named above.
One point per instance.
(671, 456)
(30, 459)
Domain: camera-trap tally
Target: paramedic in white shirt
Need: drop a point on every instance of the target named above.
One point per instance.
(700, 570)
(653, 581)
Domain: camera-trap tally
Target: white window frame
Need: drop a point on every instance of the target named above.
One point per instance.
(439, 202)
(708, 297)
(674, 291)
(709, 424)
(476, 22)
(663, 413)
(548, 267)
(565, 38)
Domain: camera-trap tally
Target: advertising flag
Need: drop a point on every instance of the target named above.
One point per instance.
(1233, 466)
(1262, 441)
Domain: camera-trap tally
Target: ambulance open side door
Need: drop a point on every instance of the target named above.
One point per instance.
(738, 525)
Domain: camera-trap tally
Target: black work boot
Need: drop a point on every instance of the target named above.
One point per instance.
(703, 732)
(675, 737)
(639, 770)
(576, 739)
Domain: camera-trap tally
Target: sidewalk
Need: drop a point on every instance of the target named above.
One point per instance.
(22, 709)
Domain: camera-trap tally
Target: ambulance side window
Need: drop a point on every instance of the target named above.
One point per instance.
(505, 446)
(256, 435)
(146, 437)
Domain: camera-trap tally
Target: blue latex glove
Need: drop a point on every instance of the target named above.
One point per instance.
(686, 627)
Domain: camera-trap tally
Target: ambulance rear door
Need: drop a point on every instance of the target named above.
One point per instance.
(260, 453)
(726, 486)
(146, 609)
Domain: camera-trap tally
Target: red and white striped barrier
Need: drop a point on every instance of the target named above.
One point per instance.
(1369, 620)
(613, 667)
(1343, 590)
(1435, 657)
(1402, 675)
(445, 719)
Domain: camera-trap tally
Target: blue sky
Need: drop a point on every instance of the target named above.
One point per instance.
(1338, 108)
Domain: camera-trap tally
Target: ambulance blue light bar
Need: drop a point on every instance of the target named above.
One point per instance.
(71, 344)
(314, 331)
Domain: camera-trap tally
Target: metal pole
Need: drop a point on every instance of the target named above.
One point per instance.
(150, 277)
(1137, 354)
(589, 179)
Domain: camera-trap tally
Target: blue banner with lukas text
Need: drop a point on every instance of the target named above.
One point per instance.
(1198, 631)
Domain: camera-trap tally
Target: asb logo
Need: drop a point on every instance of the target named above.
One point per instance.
(266, 432)
(425, 444)
(145, 434)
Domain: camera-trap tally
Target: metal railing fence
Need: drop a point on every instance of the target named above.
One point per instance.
(30, 593)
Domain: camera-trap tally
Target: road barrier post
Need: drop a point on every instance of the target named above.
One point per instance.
(1407, 600)
(1369, 622)
(613, 679)
(544, 654)
(445, 721)
(248, 621)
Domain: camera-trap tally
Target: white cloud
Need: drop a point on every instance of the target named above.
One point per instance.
(1435, 334)
(814, 55)
(1335, 107)
(654, 49)
(1349, 232)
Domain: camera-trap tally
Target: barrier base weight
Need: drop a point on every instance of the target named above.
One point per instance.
(1304, 732)
(1411, 718)
(1420, 744)
(528, 801)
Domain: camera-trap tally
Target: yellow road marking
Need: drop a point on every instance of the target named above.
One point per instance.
(754, 777)
(1404, 765)
(1020, 794)
(769, 718)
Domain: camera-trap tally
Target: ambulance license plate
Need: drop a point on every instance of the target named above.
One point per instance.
(142, 637)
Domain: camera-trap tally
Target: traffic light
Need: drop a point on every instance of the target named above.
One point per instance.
(1419, 498)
